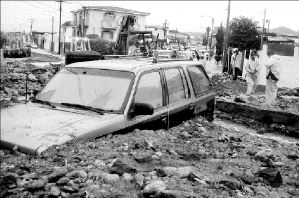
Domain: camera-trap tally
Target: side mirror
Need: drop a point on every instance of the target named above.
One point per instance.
(142, 109)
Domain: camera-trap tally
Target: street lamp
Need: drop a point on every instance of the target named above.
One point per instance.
(211, 30)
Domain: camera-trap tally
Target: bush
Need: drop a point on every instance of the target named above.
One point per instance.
(102, 46)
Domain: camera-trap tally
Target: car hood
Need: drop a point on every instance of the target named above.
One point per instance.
(34, 128)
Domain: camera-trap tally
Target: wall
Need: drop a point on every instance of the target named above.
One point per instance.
(282, 49)
(95, 18)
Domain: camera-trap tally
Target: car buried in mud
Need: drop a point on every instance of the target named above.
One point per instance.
(91, 99)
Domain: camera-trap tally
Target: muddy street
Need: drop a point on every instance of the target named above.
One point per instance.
(193, 159)
(228, 157)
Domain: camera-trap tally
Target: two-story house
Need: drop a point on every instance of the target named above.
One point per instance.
(104, 21)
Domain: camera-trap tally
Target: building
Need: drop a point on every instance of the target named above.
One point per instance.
(174, 36)
(68, 32)
(104, 21)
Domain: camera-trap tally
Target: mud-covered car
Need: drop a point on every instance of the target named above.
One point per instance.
(94, 98)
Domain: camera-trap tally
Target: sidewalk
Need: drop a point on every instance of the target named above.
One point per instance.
(44, 64)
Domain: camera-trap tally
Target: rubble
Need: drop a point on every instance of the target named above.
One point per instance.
(193, 159)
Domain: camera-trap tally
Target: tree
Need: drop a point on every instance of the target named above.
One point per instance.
(208, 30)
(244, 34)
(219, 43)
(204, 41)
(3, 40)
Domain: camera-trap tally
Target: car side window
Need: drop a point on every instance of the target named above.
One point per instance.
(149, 90)
(199, 80)
(175, 85)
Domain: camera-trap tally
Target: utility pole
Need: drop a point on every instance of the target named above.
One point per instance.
(268, 28)
(211, 35)
(60, 2)
(226, 37)
(31, 29)
(165, 30)
(52, 44)
(262, 37)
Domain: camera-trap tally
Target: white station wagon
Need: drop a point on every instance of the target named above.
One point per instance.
(91, 99)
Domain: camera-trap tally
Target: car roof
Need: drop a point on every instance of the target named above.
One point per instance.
(131, 65)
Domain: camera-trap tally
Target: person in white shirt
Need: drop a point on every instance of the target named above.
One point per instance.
(251, 73)
(272, 76)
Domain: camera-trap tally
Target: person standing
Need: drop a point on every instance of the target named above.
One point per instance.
(236, 65)
(272, 76)
(232, 62)
(251, 73)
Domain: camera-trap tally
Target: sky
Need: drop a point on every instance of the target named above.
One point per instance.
(186, 16)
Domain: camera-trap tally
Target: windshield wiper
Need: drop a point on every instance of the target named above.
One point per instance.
(43, 102)
(97, 110)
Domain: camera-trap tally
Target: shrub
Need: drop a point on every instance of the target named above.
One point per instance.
(102, 46)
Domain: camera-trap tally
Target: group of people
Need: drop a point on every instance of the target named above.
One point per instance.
(252, 68)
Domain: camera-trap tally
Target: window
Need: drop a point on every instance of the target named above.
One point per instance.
(199, 80)
(175, 85)
(150, 90)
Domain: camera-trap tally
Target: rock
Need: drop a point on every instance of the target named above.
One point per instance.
(32, 77)
(271, 175)
(109, 178)
(55, 191)
(63, 181)
(127, 177)
(264, 155)
(251, 152)
(274, 195)
(170, 171)
(232, 184)
(120, 167)
(44, 77)
(201, 129)
(99, 163)
(222, 138)
(293, 156)
(185, 135)
(183, 171)
(73, 185)
(278, 164)
(262, 191)
(57, 174)
(36, 185)
(10, 180)
(67, 189)
(139, 178)
(159, 153)
(143, 157)
(77, 174)
(155, 187)
(172, 152)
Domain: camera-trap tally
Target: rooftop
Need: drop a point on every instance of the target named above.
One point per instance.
(131, 64)
(114, 9)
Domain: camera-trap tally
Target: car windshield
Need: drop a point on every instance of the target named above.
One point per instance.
(96, 88)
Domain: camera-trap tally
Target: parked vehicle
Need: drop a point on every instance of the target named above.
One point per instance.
(94, 98)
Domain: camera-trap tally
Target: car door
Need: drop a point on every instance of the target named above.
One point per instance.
(202, 88)
(150, 90)
(177, 96)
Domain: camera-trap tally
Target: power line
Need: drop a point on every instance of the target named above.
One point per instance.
(41, 8)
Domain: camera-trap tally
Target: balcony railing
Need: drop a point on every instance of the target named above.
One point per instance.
(109, 24)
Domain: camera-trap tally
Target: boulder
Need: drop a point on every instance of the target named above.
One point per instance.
(120, 167)
(155, 187)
